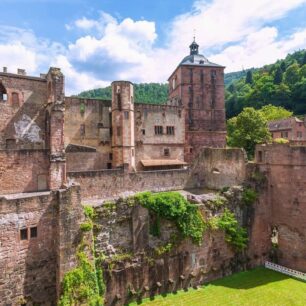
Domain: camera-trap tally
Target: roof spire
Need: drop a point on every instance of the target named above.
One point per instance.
(194, 47)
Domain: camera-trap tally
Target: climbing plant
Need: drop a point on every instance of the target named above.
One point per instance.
(174, 207)
(84, 284)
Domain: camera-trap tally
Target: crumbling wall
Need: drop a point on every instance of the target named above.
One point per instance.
(112, 183)
(32, 267)
(134, 269)
(216, 168)
(23, 170)
(285, 166)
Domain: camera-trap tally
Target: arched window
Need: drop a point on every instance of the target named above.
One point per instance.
(3, 93)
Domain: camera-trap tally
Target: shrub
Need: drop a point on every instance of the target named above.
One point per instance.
(86, 226)
(249, 196)
(174, 207)
(281, 140)
(89, 212)
(234, 234)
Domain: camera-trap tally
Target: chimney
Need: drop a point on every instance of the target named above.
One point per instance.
(21, 71)
(5, 69)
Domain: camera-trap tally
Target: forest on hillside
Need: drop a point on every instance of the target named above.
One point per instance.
(280, 84)
(155, 93)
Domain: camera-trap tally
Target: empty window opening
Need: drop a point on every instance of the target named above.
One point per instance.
(170, 130)
(109, 165)
(3, 93)
(82, 129)
(126, 115)
(143, 132)
(299, 134)
(24, 234)
(110, 156)
(15, 99)
(158, 130)
(33, 232)
(190, 150)
(260, 156)
(167, 152)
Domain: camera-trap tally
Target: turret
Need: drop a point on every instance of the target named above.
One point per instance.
(123, 136)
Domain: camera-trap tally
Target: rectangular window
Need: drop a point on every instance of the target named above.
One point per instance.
(260, 156)
(119, 131)
(82, 129)
(158, 130)
(166, 152)
(299, 135)
(126, 115)
(109, 165)
(24, 234)
(143, 131)
(170, 130)
(284, 134)
(110, 156)
(33, 232)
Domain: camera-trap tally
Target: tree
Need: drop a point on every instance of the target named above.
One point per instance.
(283, 66)
(249, 77)
(271, 112)
(292, 75)
(249, 129)
(304, 59)
(278, 76)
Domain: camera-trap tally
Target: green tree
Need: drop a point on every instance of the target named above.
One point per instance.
(249, 77)
(250, 129)
(303, 71)
(292, 75)
(278, 76)
(271, 112)
(304, 59)
(283, 66)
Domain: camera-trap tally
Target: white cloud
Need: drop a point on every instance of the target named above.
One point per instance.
(109, 49)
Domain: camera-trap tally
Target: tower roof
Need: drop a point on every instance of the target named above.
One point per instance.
(196, 59)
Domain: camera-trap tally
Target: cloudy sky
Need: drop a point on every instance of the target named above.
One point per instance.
(97, 41)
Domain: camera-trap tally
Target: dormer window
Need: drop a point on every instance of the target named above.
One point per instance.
(3, 93)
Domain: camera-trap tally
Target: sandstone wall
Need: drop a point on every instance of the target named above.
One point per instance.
(122, 228)
(217, 168)
(112, 183)
(23, 170)
(22, 120)
(28, 267)
(33, 266)
(286, 171)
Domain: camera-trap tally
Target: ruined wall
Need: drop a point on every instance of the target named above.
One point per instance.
(217, 168)
(22, 120)
(285, 168)
(112, 183)
(28, 267)
(88, 123)
(23, 170)
(32, 266)
(86, 161)
(134, 270)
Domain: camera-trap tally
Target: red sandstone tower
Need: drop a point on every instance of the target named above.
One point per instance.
(198, 85)
(123, 135)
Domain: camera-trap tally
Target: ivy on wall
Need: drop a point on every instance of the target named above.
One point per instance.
(84, 284)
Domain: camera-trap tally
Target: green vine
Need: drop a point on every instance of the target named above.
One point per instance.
(249, 196)
(174, 207)
(235, 235)
(84, 284)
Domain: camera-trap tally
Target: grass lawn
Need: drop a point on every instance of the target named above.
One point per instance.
(258, 287)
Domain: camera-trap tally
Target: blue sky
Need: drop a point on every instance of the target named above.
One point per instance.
(96, 42)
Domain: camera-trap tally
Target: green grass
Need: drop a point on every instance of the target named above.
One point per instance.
(258, 287)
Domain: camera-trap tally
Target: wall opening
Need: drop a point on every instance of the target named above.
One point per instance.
(24, 234)
(3, 93)
(33, 232)
(42, 182)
